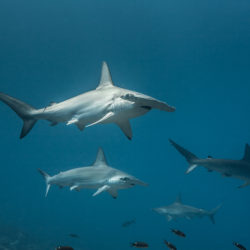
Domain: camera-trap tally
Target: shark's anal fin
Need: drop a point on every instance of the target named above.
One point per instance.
(126, 128)
(101, 189)
(104, 118)
(191, 168)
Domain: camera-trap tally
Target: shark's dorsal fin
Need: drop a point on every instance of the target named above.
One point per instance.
(100, 158)
(106, 79)
(247, 153)
(178, 198)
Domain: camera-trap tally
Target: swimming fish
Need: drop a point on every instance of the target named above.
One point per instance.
(99, 176)
(139, 244)
(74, 235)
(228, 168)
(239, 246)
(178, 232)
(106, 104)
(64, 248)
(179, 210)
(169, 245)
(128, 223)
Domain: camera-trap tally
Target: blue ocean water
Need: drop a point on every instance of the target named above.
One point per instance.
(192, 54)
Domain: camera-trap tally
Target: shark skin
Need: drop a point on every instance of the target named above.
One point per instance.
(99, 176)
(106, 104)
(178, 210)
(239, 169)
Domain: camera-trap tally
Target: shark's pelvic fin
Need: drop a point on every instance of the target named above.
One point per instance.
(104, 118)
(101, 189)
(23, 110)
(113, 192)
(100, 158)
(246, 156)
(191, 168)
(81, 126)
(126, 128)
(106, 79)
(75, 187)
(46, 177)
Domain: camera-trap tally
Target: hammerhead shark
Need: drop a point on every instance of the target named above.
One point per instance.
(106, 104)
(229, 168)
(99, 176)
(180, 210)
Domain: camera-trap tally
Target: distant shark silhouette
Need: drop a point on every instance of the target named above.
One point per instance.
(230, 168)
(98, 176)
(179, 210)
(106, 104)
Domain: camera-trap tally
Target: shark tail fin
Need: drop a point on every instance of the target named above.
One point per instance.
(212, 213)
(46, 177)
(23, 110)
(190, 157)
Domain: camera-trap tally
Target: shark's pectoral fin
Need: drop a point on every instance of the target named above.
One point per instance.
(104, 118)
(126, 128)
(75, 187)
(72, 121)
(247, 183)
(101, 189)
(113, 193)
(191, 168)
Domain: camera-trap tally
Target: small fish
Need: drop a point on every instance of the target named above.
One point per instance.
(74, 235)
(178, 232)
(128, 223)
(64, 248)
(139, 244)
(239, 246)
(170, 245)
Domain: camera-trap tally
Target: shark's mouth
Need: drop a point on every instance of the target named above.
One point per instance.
(146, 107)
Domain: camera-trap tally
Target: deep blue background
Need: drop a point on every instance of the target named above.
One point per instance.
(195, 55)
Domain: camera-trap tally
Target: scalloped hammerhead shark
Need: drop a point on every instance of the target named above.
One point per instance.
(99, 176)
(106, 104)
(229, 168)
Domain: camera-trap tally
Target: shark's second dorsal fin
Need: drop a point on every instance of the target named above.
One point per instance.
(100, 158)
(247, 153)
(178, 198)
(106, 79)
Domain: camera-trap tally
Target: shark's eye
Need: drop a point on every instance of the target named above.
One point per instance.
(124, 179)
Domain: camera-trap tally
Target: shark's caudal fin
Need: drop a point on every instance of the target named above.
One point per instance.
(23, 110)
(190, 157)
(46, 177)
(246, 156)
(212, 213)
(106, 79)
